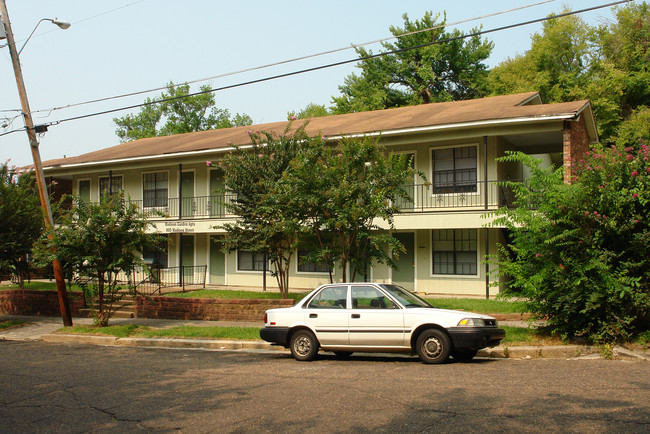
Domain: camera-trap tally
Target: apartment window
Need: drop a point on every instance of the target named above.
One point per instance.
(455, 251)
(454, 170)
(110, 185)
(308, 266)
(250, 261)
(156, 256)
(155, 188)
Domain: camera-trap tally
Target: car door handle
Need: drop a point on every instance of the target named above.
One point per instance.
(356, 315)
(313, 315)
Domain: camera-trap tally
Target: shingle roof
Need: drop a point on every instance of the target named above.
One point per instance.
(412, 117)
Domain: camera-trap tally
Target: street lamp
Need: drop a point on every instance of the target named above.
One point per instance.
(62, 25)
(33, 144)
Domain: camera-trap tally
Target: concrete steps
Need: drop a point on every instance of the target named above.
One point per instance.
(121, 309)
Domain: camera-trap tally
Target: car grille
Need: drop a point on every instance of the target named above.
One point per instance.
(491, 322)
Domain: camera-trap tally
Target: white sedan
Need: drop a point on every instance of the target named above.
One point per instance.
(369, 317)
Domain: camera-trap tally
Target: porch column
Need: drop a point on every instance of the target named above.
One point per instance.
(485, 170)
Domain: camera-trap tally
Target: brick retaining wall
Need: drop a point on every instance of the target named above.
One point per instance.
(33, 302)
(207, 309)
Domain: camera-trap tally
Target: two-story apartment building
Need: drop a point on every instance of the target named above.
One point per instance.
(443, 229)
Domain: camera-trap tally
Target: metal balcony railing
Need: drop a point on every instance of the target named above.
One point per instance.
(423, 198)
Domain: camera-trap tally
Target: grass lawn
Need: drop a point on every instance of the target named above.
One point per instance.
(233, 294)
(39, 286)
(9, 324)
(137, 331)
(479, 305)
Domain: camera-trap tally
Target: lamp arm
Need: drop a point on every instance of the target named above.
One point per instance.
(32, 34)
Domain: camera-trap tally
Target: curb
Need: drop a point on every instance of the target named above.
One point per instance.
(502, 352)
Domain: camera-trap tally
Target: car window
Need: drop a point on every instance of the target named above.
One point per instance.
(332, 297)
(368, 297)
(405, 297)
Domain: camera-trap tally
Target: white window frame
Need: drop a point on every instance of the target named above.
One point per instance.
(455, 276)
(142, 190)
(432, 168)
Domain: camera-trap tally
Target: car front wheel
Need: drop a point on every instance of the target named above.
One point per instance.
(304, 345)
(433, 346)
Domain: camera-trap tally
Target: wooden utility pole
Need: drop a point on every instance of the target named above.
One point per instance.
(64, 304)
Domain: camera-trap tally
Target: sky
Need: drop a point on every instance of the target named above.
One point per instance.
(123, 46)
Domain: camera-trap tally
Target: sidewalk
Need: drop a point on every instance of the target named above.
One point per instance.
(43, 328)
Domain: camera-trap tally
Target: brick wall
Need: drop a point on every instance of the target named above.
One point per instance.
(205, 308)
(31, 302)
(576, 144)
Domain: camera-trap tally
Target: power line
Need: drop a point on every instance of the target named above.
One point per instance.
(331, 65)
(296, 59)
(344, 62)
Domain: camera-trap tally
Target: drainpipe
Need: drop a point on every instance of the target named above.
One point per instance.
(110, 183)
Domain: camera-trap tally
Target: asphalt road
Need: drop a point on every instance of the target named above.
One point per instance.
(79, 388)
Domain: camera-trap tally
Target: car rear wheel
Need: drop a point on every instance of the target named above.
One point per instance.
(304, 345)
(463, 355)
(433, 346)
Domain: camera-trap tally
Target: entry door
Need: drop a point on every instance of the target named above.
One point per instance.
(187, 200)
(217, 262)
(216, 194)
(405, 276)
(187, 252)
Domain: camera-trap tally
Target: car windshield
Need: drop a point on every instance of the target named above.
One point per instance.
(408, 299)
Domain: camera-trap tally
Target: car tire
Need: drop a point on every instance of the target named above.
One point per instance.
(433, 346)
(343, 354)
(463, 356)
(304, 345)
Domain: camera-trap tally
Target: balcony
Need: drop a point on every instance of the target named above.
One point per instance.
(466, 196)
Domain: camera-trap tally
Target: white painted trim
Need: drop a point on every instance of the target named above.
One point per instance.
(412, 130)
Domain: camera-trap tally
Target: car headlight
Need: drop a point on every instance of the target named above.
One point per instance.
(471, 322)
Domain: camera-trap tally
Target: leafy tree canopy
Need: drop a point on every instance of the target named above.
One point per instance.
(175, 113)
(295, 191)
(312, 110)
(580, 253)
(97, 242)
(448, 71)
(571, 60)
(21, 219)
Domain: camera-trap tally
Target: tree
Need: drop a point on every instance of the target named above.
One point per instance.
(620, 75)
(294, 190)
(570, 60)
(310, 111)
(178, 114)
(416, 73)
(21, 220)
(556, 64)
(98, 242)
(345, 191)
(579, 253)
(267, 213)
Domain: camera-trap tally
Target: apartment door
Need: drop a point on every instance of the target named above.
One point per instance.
(405, 276)
(216, 194)
(187, 199)
(187, 258)
(217, 262)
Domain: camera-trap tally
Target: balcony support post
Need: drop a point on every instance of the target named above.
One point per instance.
(485, 170)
